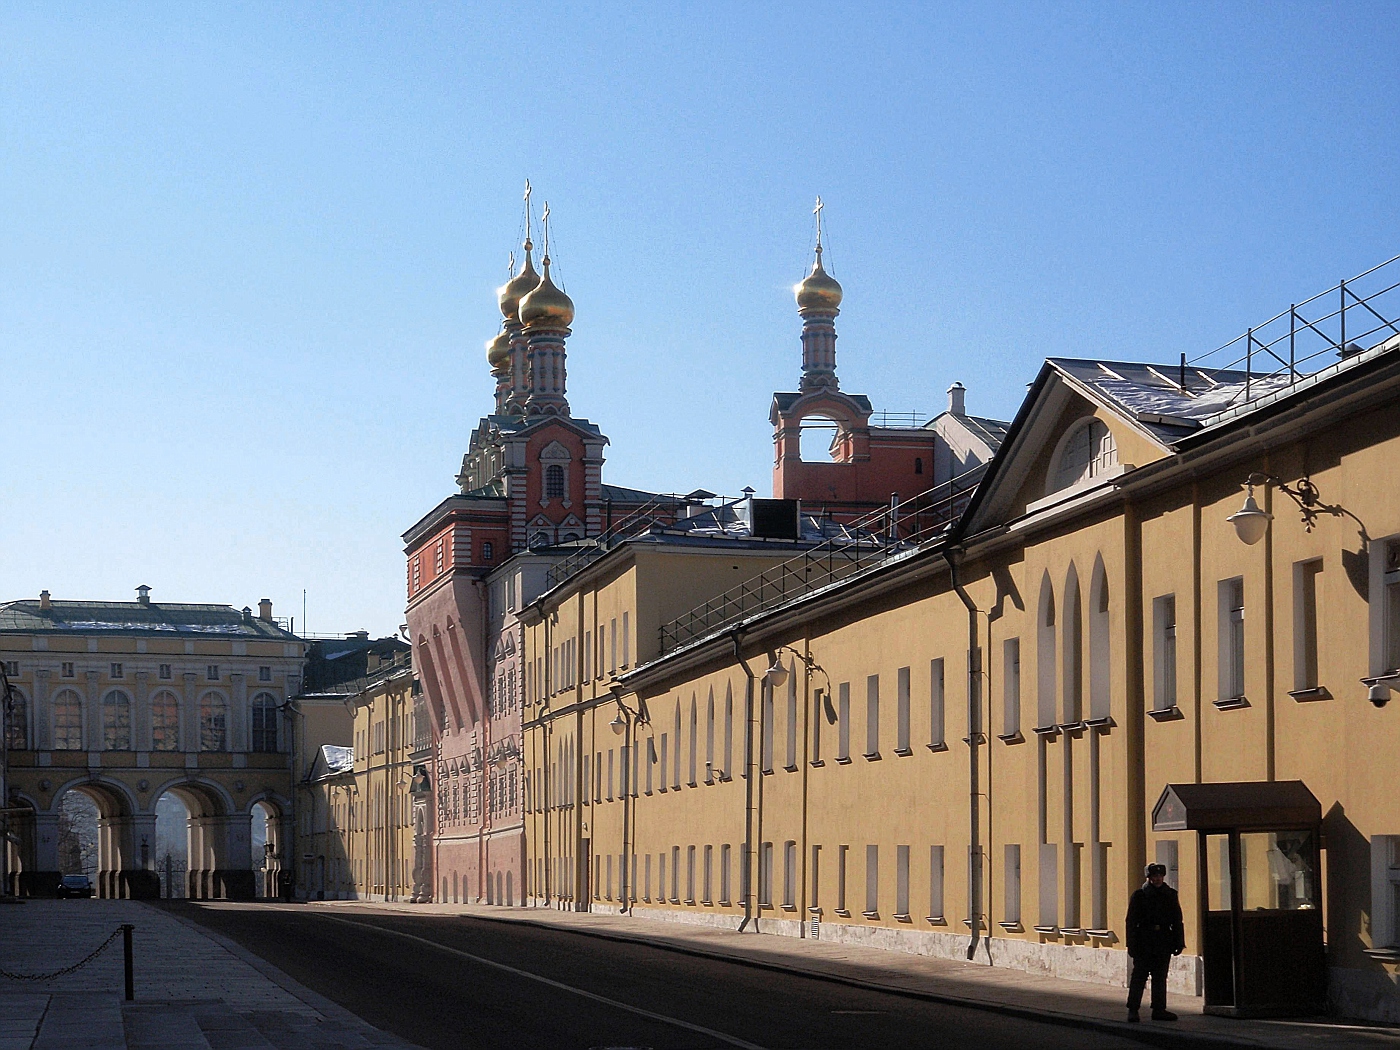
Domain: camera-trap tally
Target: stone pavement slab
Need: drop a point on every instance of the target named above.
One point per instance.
(980, 985)
(193, 989)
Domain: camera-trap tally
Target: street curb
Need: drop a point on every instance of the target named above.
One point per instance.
(1140, 1033)
(325, 1007)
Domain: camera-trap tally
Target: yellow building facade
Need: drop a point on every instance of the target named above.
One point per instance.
(362, 834)
(971, 746)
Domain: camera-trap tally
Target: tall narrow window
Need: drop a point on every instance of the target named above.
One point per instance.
(1100, 659)
(1072, 647)
(17, 723)
(1045, 656)
(165, 721)
(1231, 633)
(841, 854)
(724, 897)
(820, 702)
(664, 756)
(676, 769)
(872, 881)
(612, 645)
(872, 716)
(843, 722)
(1011, 876)
(790, 874)
(766, 730)
(265, 716)
(708, 884)
(1164, 652)
(690, 874)
(902, 711)
(901, 883)
(1390, 605)
(816, 876)
(937, 733)
(765, 874)
(626, 641)
(728, 733)
(1011, 688)
(935, 882)
(116, 721)
(1306, 576)
(554, 481)
(694, 741)
(213, 722)
(710, 738)
(791, 723)
(675, 874)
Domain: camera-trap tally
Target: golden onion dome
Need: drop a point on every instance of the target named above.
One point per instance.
(819, 290)
(498, 352)
(519, 286)
(547, 306)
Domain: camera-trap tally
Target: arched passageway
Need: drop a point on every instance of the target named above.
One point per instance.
(267, 849)
(94, 829)
(217, 844)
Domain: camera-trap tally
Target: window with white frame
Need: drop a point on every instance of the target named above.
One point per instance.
(1385, 891)
(1164, 652)
(1307, 576)
(1011, 688)
(902, 712)
(842, 854)
(1230, 598)
(790, 874)
(901, 883)
(1167, 853)
(211, 672)
(1386, 574)
(118, 671)
(1087, 454)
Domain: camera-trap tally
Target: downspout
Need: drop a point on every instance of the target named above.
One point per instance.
(736, 637)
(974, 888)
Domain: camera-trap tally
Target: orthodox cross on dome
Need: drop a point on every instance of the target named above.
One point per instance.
(817, 211)
(544, 218)
(510, 266)
(529, 191)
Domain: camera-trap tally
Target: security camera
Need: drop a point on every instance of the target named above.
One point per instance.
(1379, 694)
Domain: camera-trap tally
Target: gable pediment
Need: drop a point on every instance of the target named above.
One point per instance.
(1065, 441)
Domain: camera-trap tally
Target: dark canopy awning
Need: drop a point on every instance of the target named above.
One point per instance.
(1258, 804)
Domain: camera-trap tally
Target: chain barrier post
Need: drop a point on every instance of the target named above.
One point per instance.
(126, 960)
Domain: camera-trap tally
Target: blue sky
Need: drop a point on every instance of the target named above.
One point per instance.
(250, 251)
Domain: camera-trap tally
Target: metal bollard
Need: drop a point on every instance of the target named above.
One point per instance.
(126, 959)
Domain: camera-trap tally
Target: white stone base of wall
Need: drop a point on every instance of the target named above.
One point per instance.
(1069, 962)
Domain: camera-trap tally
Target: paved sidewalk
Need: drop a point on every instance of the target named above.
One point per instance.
(1004, 990)
(193, 990)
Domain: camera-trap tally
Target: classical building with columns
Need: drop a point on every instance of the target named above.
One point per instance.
(128, 701)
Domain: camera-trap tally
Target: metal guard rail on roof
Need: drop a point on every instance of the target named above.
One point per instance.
(636, 523)
(863, 543)
(1291, 344)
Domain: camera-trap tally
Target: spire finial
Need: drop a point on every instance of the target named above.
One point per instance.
(544, 218)
(817, 211)
(529, 190)
(510, 266)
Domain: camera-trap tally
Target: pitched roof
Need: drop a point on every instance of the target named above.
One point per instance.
(166, 618)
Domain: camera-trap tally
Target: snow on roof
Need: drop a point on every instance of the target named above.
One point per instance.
(337, 759)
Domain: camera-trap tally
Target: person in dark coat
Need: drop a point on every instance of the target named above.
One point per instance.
(1155, 934)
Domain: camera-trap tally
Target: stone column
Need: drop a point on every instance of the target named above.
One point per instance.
(233, 860)
(138, 875)
(43, 880)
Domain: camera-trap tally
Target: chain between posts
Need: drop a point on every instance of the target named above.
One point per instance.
(67, 969)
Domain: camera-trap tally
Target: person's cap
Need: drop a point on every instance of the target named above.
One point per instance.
(1156, 869)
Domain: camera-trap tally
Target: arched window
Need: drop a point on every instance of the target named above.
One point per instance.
(213, 722)
(554, 481)
(710, 738)
(165, 721)
(67, 721)
(1088, 452)
(1100, 665)
(265, 722)
(1045, 656)
(116, 721)
(1072, 647)
(918, 465)
(17, 722)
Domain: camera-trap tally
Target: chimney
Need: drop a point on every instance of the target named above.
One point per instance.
(44, 603)
(143, 594)
(361, 635)
(265, 609)
(956, 404)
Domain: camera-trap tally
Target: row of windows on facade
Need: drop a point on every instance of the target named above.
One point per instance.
(351, 875)
(460, 797)
(375, 740)
(566, 671)
(351, 816)
(487, 554)
(66, 722)
(703, 875)
(165, 672)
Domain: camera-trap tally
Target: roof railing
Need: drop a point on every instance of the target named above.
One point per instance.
(1351, 317)
(857, 545)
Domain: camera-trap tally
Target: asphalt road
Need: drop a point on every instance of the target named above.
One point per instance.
(449, 982)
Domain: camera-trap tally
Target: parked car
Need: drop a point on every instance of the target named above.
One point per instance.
(74, 886)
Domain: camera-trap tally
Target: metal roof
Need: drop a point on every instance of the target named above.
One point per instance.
(1239, 805)
(165, 618)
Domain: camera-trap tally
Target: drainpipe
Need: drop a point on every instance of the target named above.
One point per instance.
(737, 637)
(974, 888)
